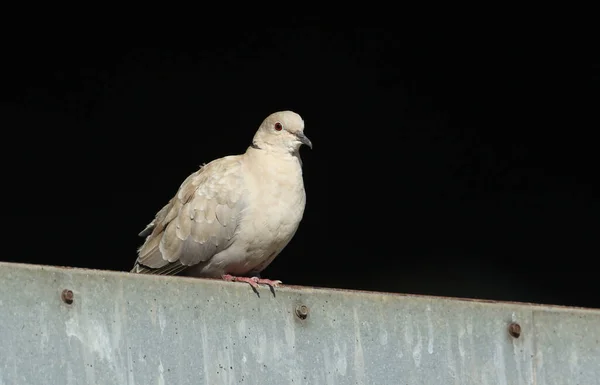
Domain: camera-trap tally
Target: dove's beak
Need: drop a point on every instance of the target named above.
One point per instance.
(303, 139)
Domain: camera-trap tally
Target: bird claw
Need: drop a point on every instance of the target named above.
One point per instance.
(252, 281)
(268, 282)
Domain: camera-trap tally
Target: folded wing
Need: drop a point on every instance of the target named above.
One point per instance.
(199, 222)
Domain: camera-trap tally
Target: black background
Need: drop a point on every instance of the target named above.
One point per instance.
(452, 164)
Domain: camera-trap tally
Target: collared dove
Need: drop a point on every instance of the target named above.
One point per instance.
(234, 215)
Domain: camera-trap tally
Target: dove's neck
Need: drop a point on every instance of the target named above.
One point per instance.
(272, 158)
(268, 150)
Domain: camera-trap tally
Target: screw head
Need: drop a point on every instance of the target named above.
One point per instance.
(302, 311)
(514, 329)
(67, 296)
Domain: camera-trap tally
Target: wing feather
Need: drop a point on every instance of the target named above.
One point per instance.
(199, 222)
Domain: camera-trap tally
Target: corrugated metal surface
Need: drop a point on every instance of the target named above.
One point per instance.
(132, 329)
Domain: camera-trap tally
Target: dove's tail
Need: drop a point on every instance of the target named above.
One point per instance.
(172, 268)
(137, 268)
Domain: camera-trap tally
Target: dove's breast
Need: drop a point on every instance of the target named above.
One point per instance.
(277, 201)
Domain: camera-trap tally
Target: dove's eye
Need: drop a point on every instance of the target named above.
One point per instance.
(278, 126)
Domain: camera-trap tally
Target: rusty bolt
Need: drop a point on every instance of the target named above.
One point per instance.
(67, 296)
(302, 311)
(514, 329)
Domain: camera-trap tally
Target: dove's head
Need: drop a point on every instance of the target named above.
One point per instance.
(281, 131)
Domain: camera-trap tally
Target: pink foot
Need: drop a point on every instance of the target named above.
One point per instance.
(252, 281)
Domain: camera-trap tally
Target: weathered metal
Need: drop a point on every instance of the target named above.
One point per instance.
(123, 328)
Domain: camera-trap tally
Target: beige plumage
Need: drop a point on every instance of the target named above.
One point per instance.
(233, 216)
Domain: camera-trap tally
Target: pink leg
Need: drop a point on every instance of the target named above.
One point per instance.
(252, 281)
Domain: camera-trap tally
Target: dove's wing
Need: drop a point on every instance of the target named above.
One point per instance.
(199, 222)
